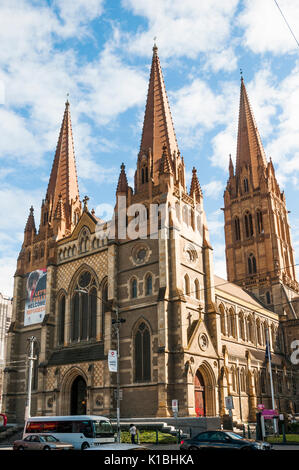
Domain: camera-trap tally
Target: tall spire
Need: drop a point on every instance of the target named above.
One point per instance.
(250, 150)
(158, 127)
(63, 183)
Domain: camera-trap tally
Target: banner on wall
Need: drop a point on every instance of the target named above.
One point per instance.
(35, 303)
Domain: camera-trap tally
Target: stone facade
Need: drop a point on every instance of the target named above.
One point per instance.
(187, 335)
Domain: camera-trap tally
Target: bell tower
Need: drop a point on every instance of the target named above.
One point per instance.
(259, 251)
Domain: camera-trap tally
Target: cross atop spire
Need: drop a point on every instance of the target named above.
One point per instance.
(250, 149)
(63, 183)
(158, 127)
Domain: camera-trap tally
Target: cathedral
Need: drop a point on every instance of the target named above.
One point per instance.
(186, 334)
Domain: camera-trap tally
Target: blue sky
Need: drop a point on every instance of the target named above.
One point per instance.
(99, 51)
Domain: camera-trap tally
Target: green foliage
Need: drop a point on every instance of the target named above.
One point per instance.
(290, 438)
(149, 437)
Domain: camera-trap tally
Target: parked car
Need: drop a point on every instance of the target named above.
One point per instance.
(41, 442)
(222, 440)
(119, 446)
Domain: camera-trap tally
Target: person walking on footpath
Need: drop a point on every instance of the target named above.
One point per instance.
(133, 432)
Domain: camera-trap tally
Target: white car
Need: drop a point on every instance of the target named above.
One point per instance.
(119, 446)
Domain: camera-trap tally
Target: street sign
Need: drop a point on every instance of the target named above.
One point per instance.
(120, 394)
(229, 403)
(112, 361)
(261, 407)
(269, 414)
(175, 406)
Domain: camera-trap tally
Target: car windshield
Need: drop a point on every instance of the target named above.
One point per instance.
(102, 427)
(234, 436)
(49, 439)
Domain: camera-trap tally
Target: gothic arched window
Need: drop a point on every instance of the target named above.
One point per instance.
(233, 379)
(187, 284)
(259, 331)
(250, 335)
(237, 229)
(61, 319)
(134, 288)
(104, 306)
(245, 185)
(222, 319)
(259, 221)
(196, 289)
(84, 308)
(248, 224)
(251, 264)
(148, 285)
(142, 353)
(243, 380)
(241, 326)
(263, 381)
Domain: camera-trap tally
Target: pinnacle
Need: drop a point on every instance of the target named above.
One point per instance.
(122, 185)
(165, 166)
(30, 225)
(195, 186)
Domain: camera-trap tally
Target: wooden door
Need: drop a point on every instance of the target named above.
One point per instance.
(199, 390)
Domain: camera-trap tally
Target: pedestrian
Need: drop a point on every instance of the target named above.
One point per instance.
(133, 432)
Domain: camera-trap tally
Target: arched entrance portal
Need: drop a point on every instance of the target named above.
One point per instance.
(199, 390)
(78, 396)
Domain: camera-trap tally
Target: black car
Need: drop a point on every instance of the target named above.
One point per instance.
(222, 440)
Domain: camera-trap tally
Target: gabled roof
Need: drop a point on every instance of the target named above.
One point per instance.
(245, 298)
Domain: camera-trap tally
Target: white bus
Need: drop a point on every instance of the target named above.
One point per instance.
(81, 431)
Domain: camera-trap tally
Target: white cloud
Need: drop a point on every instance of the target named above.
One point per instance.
(113, 87)
(224, 59)
(214, 189)
(7, 270)
(78, 13)
(13, 214)
(215, 223)
(183, 28)
(265, 29)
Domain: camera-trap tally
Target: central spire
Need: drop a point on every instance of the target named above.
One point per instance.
(250, 150)
(63, 184)
(158, 130)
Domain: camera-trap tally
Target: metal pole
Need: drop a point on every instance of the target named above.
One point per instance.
(117, 378)
(29, 384)
(271, 379)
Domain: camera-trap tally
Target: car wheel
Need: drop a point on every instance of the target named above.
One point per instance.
(84, 446)
(20, 448)
(46, 448)
(193, 448)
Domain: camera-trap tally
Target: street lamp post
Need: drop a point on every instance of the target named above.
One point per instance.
(116, 322)
(32, 339)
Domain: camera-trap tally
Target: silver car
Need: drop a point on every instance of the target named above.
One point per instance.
(41, 442)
